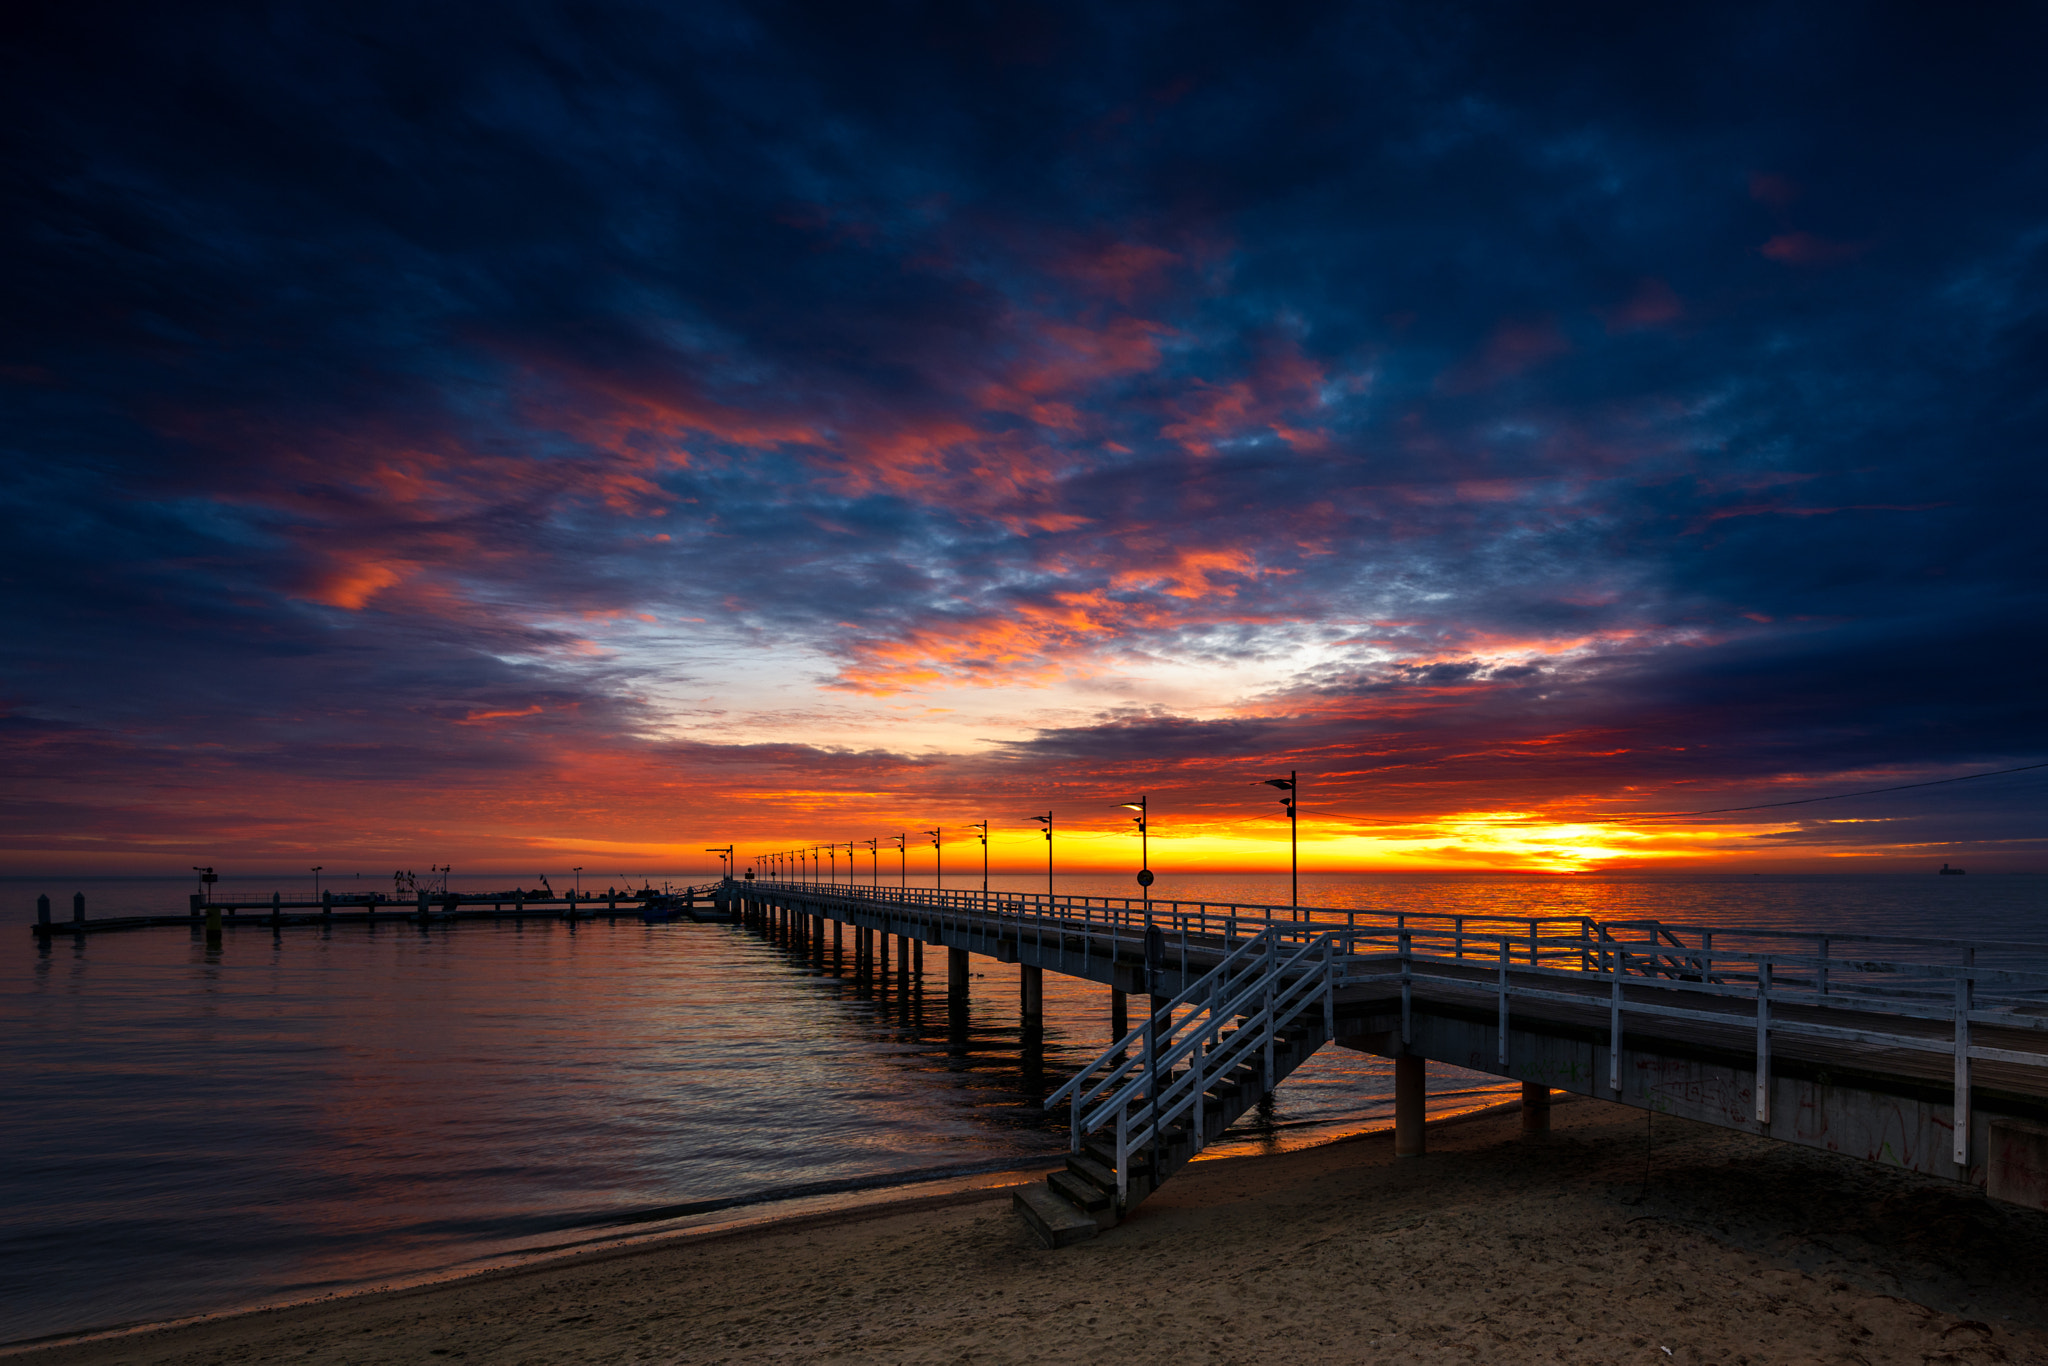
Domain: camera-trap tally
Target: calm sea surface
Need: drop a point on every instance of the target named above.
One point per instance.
(312, 1110)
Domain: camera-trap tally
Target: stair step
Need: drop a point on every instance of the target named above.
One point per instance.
(1080, 1192)
(1098, 1174)
(1057, 1223)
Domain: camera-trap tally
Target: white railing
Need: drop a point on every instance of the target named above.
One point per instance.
(1143, 1083)
(1760, 987)
(1699, 974)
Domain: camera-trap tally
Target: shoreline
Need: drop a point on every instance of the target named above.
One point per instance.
(740, 1219)
(1618, 1235)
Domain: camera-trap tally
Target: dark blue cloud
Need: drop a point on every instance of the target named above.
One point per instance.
(1649, 372)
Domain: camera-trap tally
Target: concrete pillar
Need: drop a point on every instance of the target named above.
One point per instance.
(1411, 1094)
(956, 975)
(1119, 1014)
(1535, 1109)
(78, 908)
(43, 909)
(903, 961)
(1031, 994)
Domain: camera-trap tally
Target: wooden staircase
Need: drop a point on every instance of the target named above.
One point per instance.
(1228, 1040)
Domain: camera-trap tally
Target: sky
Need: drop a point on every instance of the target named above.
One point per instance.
(518, 434)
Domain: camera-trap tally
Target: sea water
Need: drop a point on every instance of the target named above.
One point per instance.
(314, 1109)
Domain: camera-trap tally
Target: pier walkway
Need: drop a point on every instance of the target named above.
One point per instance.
(1924, 1053)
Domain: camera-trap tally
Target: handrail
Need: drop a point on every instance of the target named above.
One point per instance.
(1120, 1045)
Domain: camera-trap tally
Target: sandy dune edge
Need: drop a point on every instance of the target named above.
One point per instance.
(1490, 1249)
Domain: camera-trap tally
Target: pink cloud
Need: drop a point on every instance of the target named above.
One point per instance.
(1807, 249)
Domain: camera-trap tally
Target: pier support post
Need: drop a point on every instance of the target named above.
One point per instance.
(277, 909)
(197, 903)
(956, 976)
(1031, 994)
(78, 909)
(43, 910)
(423, 908)
(903, 961)
(1119, 1013)
(1411, 1094)
(1535, 1110)
(838, 945)
(212, 926)
(326, 903)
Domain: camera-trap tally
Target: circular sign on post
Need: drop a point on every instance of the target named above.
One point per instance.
(1145, 877)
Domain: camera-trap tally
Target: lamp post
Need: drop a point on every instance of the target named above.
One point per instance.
(835, 862)
(1144, 851)
(578, 871)
(902, 863)
(982, 828)
(1291, 785)
(316, 880)
(938, 860)
(875, 864)
(724, 861)
(1046, 821)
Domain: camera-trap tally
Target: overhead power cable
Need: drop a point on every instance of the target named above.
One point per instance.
(1550, 817)
(1832, 797)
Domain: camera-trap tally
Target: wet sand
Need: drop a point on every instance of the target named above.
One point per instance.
(1489, 1249)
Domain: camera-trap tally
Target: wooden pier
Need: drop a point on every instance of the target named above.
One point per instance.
(423, 909)
(1924, 1053)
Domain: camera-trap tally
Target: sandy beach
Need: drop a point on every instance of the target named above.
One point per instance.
(1490, 1249)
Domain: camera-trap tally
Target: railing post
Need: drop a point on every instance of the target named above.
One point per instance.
(276, 909)
(1330, 988)
(1503, 993)
(1407, 991)
(1964, 994)
(1272, 972)
(1614, 1025)
(1763, 1041)
(1821, 970)
(1123, 1158)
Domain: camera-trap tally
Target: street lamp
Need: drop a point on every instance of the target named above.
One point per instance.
(316, 880)
(1046, 821)
(1144, 851)
(938, 862)
(1291, 785)
(578, 871)
(875, 864)
(902, 863)
(982, 828)
(835, 862)
(724, 861)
